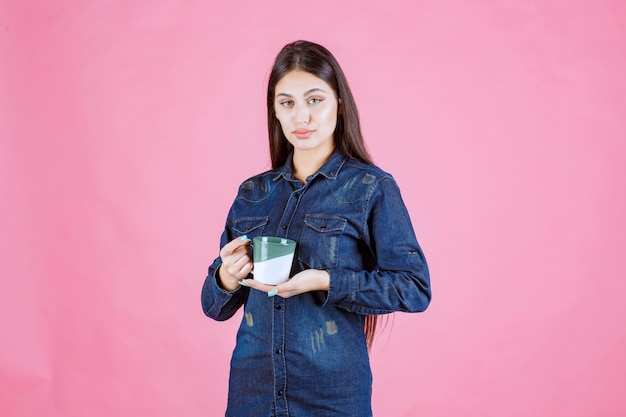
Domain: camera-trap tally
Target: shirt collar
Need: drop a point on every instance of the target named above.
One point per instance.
(330, 169)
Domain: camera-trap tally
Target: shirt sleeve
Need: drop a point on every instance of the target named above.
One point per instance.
(217, 303)
(400, 281)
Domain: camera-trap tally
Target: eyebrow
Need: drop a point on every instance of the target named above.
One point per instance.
(312, 90)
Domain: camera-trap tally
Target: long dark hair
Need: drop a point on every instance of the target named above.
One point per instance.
(317, 60)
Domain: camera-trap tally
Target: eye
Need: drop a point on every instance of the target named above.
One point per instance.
(286, 103)
(315, 100)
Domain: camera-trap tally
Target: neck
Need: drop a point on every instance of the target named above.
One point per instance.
(306, 163)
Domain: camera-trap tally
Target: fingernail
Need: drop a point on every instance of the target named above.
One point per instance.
(243, 283)
(245, 238)
(272, 293)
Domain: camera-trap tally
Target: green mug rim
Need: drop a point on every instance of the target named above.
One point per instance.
(277, 246)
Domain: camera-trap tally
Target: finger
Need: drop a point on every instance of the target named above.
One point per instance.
(239, 268)
(239, 255)
(234, 244)
(292, 287)
(257, 285)
(285, 290)
(243, 266)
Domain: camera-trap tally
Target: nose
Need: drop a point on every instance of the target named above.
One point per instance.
(302, 115)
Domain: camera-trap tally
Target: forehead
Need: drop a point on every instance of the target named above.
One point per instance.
(298, 82)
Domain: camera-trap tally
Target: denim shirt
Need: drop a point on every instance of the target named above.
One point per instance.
(306, 355)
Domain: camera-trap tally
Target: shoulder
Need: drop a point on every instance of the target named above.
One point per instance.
(366, 174)
(259, 186)
(358, 181)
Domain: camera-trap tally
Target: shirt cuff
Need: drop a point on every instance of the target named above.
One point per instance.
(342, 288)
(221, 295)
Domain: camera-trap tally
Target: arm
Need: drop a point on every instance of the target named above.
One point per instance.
(221, 294)
(400, 281)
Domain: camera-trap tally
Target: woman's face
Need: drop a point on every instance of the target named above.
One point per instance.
(306, 108)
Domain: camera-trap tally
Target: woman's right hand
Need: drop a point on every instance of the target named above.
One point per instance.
(236, 263)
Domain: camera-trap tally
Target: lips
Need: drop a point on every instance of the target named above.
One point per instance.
(302, 133)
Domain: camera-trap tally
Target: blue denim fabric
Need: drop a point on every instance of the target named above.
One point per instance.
(306, 355)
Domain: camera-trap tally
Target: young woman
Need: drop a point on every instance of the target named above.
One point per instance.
(302, 346)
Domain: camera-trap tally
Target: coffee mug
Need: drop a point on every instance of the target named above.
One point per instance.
(272, 258)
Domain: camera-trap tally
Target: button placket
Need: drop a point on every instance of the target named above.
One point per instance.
(290, 210)
(278, 320)
(280, 366)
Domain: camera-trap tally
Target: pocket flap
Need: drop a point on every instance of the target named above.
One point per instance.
(246, 225)
(324, 223)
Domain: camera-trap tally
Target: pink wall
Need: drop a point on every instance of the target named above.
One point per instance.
(126, 127)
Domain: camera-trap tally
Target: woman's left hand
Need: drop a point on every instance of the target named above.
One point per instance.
(305, 281)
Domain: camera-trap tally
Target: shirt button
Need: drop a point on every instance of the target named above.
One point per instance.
(280, 393)
(278, 307)
(284, 226)
(279, 351)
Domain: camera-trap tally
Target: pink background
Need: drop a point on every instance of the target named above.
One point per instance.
(126, 127)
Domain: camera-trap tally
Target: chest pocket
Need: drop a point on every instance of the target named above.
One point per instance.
(319, 243)
(251, 226)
